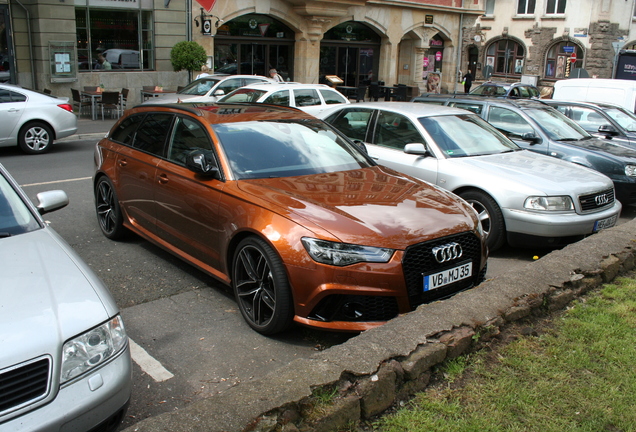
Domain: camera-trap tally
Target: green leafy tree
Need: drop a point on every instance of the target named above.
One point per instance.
(188, 55)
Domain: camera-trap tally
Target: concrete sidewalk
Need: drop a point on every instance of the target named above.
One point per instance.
(90, 129)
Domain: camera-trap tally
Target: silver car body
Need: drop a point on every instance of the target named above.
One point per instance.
(34, 107)
(47, 300)
(311, 98)
(509, 178)
(209, 89)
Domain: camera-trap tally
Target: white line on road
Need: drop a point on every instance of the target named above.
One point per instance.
(56, 181)
(148, 364)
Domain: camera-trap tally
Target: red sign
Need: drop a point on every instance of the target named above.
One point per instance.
(425, 62)
(438, 56)
(207, 4)
(573, 58)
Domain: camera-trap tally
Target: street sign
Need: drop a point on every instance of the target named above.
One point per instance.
(573, 58)
(568, 49)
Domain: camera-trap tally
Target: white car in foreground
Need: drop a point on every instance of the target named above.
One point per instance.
(311, 98)
(33, 120)
(521, 197)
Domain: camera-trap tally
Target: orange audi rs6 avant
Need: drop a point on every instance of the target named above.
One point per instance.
(296, 218)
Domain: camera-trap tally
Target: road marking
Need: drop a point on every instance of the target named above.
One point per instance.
(148, 364)
(56, 181)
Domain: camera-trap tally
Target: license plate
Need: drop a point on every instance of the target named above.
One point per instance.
(446, 277)
(605, 223)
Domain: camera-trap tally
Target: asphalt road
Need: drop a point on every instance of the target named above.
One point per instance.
(188, 334)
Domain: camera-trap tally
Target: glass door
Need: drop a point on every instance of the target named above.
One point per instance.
(7, 70)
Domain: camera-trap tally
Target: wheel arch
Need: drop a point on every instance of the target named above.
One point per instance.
(33, 121)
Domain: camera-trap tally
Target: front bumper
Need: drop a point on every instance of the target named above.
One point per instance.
(81, 405)
(555, 225)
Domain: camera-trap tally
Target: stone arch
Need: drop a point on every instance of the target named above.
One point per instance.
(508, 69)
(555, 41)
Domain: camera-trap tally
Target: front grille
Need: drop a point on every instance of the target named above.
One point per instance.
(419, 260)
(24, 384)
(338, 307)
(597, 200)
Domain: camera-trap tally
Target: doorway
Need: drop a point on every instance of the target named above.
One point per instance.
(7, 61)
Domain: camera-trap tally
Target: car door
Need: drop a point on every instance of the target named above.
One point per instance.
(12, 106)
(143, 138)
(391, 133)
(188, 204)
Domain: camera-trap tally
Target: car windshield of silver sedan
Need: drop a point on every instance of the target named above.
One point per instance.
(15, 217)
(199, 87)
(623, 117)
(557, 126)
(466, 135)
(267, 149)
(243, 95)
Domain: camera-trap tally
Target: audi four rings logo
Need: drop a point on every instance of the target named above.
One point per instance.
(601, 199)
(447, 252)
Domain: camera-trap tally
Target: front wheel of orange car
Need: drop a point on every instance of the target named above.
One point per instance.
(261, 287)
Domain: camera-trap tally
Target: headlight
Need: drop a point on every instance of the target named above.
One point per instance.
(555, 203)
(92, 348)
(342, 254)
(630, 170)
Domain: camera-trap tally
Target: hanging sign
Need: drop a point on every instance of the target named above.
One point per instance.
(438, 56)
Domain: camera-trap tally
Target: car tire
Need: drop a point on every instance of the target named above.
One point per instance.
(109, 216)
(35, 138)
(490, 218)
(261, 287)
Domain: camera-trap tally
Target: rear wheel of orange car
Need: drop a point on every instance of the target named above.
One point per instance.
(108, 211)
(261, 287)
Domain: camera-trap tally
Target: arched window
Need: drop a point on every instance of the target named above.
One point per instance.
(505, 57)
(558, 62)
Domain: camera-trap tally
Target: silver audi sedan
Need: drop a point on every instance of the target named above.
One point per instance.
(64, 356)
(32, 120)
(522, 198)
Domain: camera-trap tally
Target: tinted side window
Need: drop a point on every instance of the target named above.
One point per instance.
(9, 96)
(306, 97)
(278, 98)
(229, 85)
(151, 135)
(476, 108)
(125, 132)
(187, 135)
(395, 131)
(332, 97)
(508, 121)
(17, 97)
(353, 123)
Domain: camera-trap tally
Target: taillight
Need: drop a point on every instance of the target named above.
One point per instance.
(67, 107)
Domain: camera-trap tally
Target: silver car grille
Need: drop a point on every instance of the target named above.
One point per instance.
(24, 384)
(596, 201)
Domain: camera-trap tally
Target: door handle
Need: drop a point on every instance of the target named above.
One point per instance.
(163, 179)
(122, 162)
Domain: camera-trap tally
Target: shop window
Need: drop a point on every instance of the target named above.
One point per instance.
(555, 7)
(505, 57)
(109, 39)
(558, 62)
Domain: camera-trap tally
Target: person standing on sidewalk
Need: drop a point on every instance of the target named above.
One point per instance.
(468, 81)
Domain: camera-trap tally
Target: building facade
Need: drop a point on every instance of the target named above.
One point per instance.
(548, 40)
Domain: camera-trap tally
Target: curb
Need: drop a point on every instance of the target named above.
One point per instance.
(370, 372)
(83, 136)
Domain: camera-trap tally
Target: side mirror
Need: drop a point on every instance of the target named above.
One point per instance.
(416, 149)
(200, 163)
(219, 92)
(531, 137)
(361, 146)
(607, 130)
(51, 200)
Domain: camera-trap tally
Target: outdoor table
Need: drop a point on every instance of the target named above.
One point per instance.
(147, 94)
(95, 96)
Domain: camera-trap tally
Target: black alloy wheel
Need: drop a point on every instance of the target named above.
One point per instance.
(108, 210)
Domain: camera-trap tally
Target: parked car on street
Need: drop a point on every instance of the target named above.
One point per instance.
(603, 120)
(521, 197)
(33, 120)
(536, 126)
(311, 98)
(511, 90)
(295, 218)
(209, 89)
(64, 355)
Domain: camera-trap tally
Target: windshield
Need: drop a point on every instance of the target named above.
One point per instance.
(199, 87)
(556, 125)
(15, 217)
(243, 95)
(285, 148)
(466, 135)
(623, 117)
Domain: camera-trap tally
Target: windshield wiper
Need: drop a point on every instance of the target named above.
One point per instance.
(4, 234)
(569, 139)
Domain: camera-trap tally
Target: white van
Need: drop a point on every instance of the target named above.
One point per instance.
(616, 91)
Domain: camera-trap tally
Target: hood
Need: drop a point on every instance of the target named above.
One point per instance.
(625, 153)
(46, 296)
(530, 173)
(372, 206)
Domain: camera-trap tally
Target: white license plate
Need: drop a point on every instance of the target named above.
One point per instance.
(440, 279)
(605, 223)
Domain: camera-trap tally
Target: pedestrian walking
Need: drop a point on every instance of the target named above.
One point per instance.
(468, 81)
